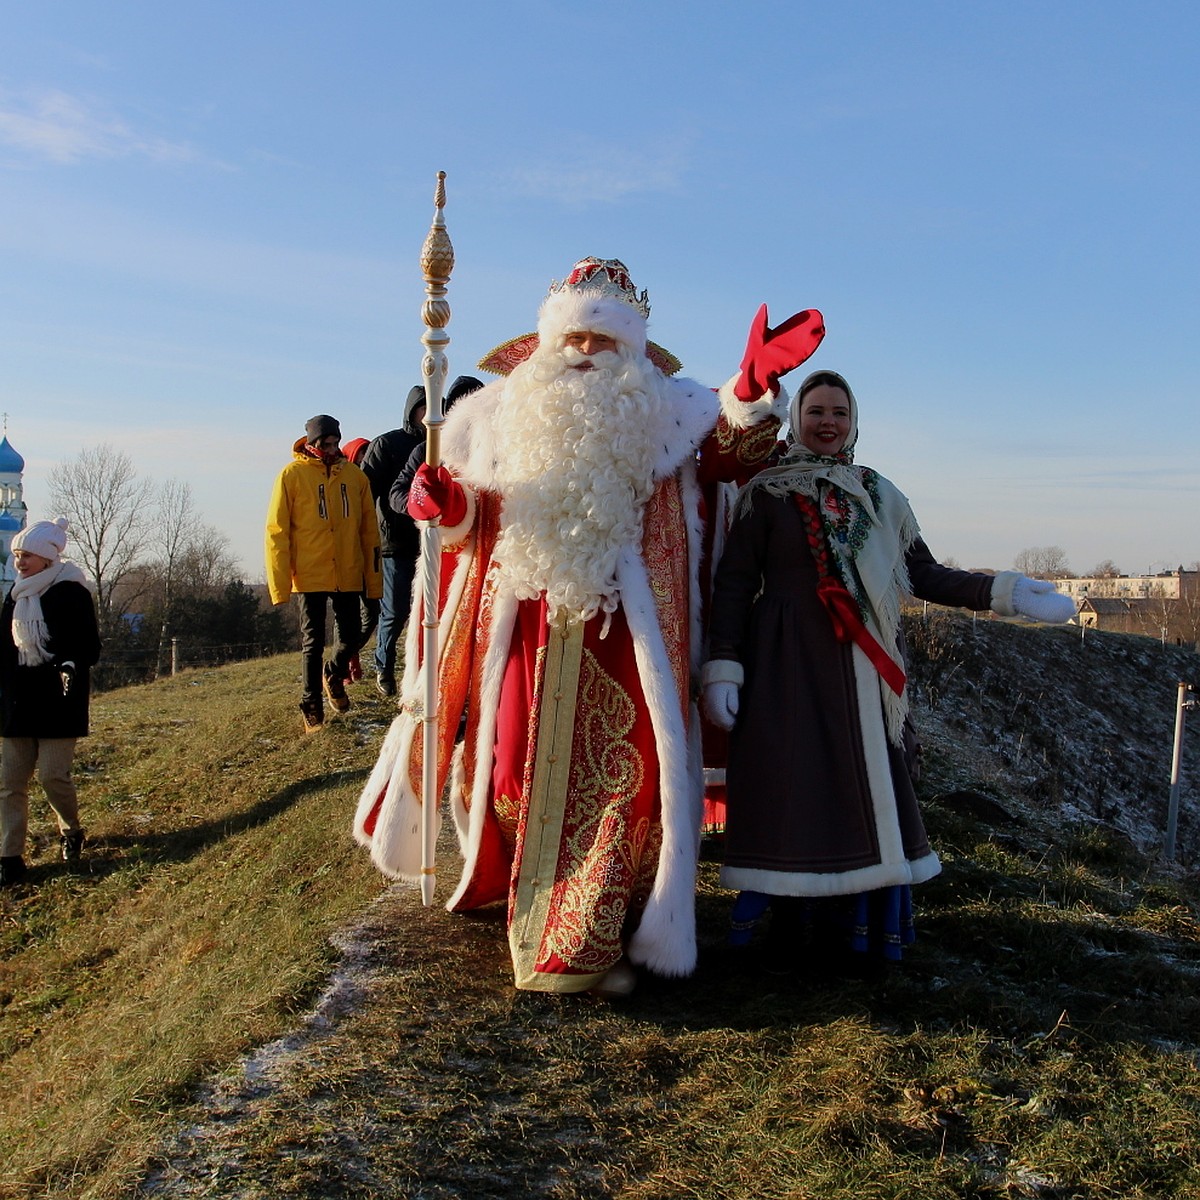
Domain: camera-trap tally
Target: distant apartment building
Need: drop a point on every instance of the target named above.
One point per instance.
(1167, 585)
(1166, 605)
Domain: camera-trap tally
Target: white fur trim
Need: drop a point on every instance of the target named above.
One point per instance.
(396, 842)
(575, 311)
(1002, 593)
(723, 670)
(844, 883)
(504, 615)
(665, 939)
(742, 414)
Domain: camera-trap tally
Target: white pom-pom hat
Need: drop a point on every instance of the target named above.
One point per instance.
(48, 539)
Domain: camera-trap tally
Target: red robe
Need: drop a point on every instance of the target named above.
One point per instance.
(577, 787)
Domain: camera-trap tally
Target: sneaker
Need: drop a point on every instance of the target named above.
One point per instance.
(12, 871)
(72, 845)
(314, 716)
(335, 689)
(385, 685)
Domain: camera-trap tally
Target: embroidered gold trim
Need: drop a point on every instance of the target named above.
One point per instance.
(547, 802)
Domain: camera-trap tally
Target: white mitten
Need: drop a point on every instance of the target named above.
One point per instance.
(721, 704)
(722, 679)
(1040, 600)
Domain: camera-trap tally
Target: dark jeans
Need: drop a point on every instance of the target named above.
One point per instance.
(347, 628)
(398, 575)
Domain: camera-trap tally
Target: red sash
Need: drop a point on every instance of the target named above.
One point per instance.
(842, 607)
(848, 627)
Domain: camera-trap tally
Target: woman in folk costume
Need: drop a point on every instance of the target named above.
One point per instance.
(805, 668)
(570, 516)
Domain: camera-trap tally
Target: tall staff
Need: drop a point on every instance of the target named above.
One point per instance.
(437, 261)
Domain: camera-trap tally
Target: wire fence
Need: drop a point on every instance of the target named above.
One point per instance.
(123, 666)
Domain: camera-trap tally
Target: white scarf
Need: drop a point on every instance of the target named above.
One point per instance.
(30, 634)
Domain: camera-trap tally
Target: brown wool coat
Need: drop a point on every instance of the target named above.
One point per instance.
(819, 803)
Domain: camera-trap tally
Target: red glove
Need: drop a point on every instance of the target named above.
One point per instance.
(771, 353)
(436, 494)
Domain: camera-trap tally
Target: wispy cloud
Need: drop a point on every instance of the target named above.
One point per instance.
(600, 175)
(54, 126)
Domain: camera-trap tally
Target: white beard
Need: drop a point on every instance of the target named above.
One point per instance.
(574, 463)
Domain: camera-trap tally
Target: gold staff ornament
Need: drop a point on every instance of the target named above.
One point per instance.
(437, 261)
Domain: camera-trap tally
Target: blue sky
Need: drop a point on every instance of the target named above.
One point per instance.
(211, 216)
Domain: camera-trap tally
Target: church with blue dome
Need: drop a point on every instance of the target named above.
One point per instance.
(13, 514)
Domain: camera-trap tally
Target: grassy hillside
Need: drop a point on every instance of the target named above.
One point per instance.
(1040, 1040)
(197, 925)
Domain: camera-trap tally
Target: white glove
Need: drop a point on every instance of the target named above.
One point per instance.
(1042, 601)
(721, 704)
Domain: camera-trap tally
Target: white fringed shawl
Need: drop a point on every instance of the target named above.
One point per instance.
(30, 634)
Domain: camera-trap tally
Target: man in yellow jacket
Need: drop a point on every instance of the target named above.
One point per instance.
(323, 545)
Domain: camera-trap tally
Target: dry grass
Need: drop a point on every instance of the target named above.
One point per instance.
(217, 866)
(1040, 1040)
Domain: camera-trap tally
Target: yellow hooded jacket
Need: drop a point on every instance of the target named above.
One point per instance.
(322, 533)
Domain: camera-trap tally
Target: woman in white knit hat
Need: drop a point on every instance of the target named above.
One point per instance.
(48, 641)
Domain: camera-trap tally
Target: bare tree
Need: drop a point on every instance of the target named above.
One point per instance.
(1043, 562)
(108, 507)
(173, 532)
(1025, 561)
(1104, 570)
(206, 565)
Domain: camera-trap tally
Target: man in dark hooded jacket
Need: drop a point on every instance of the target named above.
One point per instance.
(398, 538)
(383, 462)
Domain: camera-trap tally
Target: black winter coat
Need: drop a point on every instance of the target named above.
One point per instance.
(389, 463)
(404, 481)
(32, 702)
(382, 461)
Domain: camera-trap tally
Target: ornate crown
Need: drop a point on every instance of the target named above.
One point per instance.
(609, 277)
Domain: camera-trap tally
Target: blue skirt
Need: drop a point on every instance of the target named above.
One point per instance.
(878, 923)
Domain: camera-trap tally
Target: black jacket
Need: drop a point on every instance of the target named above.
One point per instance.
(32, 699)
(381, 463)
(388, 457)
(404, 481)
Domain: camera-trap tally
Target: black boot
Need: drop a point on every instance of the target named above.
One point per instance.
(12, 871)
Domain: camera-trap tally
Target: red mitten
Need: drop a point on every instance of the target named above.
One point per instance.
(771, 353)
(436, 494)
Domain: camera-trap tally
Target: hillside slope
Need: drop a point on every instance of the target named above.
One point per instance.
(1040, 1039)
(1079, 727)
